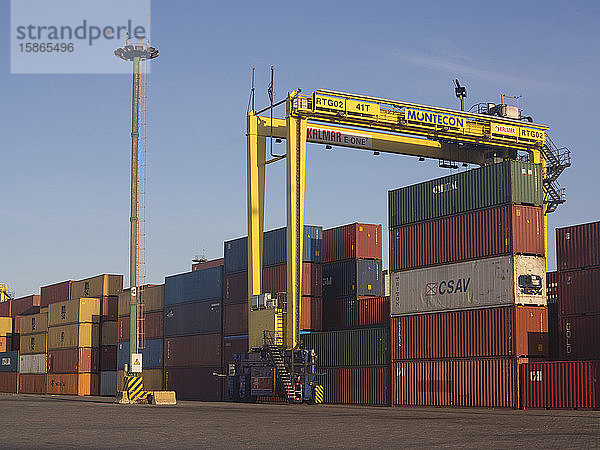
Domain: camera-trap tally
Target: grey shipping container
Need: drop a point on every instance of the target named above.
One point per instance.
(354, 277)
(9, 361)
(152, 354)
(33, 364)
(108, 383)
(193, 318)
(274, 249)
(350, 348)
(505, 280)
(497, 184)
(195, 286)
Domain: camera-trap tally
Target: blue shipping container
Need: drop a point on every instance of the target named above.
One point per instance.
(9, 361)
(195, 286)
(152, 354)
(353, 277)
(193, 318)
(274, 249)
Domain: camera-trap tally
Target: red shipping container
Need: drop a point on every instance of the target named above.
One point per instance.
(32, 383)
(24, 304)
(73, 360)
(340, 313)
(274, 279)
(560, 385)
(553, 327)
(108, 358)
(235, 288)
(231, 346)
(9, 382)
(194, 383)
(353, 241)
(195, 350)
(552, 287)
(481, 382)
(579, 292)
(58, 292)
(208, 264)
(153, 326)
(5, 308)
(311, 313)
(109, 308)
(503, 331)
(356, 385)
(373, 311)
(503, 230)
(579, 337)
(235, 319)
(578, 246)
(16, 342)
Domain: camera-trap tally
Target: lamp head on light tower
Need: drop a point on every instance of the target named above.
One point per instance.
(136, 49)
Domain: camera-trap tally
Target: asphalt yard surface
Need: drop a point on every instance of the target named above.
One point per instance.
(63, 421)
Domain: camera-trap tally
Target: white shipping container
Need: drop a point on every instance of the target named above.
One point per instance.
(108, 383)
(33, 364)
(505, 280)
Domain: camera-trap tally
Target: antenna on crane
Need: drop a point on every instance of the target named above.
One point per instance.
(251, 99)
(461, 93)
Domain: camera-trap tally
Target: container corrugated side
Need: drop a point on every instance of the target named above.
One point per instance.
(235, 319)
(197, 286)
(34, 323)
(194, 383)
(474, 382)
(74, 360)
(193, 318)
(97, 286)
(579, 291)
(553, 331)
(153, 379)
(355, 277)
(9, 382)
(9, 362)
(504, 331)
(353, 241)
(108, 333)
(73, 336)
(5, 344)
(23, 304)
(579, 337)
(311, 313)
(340, 313)
(33, 343)
(578, 246)
(368, 386)
(6, 326)
(197, 350)
(152, 354)
(57, 292)
(79, 310)
(560, 385)
(153, 326)
(274, 279)
(504, 280)
(344, 348)
(108, 383)
(502, 230)
(108, 358)
(72, 384)
(32, 383)
(373, 311)
(109, 308)
(153, 297)
(507, 182)
(235, 288)
(33, 364)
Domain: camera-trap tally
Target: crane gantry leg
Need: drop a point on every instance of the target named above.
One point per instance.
(256, 207)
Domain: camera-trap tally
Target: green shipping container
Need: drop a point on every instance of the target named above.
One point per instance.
(350, 348)
(511, 181)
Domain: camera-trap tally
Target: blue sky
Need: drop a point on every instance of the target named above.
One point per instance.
(65, 138)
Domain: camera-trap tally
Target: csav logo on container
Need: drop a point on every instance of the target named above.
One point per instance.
(535, 375)
(460, 285)
(445, 187)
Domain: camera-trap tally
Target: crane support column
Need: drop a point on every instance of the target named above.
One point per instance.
(295, 167)
(535, 156)
(256, 208)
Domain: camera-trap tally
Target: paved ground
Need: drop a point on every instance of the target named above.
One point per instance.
(62, 421)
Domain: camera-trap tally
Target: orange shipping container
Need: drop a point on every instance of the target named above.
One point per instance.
(311, 313)
(32, 383)
(72, 384)
(356, 385)
(5, 344)
(353, 241)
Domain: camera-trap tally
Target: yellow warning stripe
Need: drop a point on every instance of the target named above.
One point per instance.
(319, 392)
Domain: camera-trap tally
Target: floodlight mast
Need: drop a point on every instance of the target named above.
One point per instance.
(136, 53)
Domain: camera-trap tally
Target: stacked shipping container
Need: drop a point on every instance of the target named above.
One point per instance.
(33, 357)
(193, 333)
(151, 322)
(9, 372)
(274, 281)
(467, 286)
(578, 261)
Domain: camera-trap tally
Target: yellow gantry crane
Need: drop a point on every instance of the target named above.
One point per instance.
(380, 125)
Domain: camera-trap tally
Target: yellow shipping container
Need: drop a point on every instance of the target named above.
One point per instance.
(81, 310)
(109, 333)
(74, 335)
(153, 380)
(35, 323)
(33, 343)
(98, 286)
(5, 326)
(153, 297)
